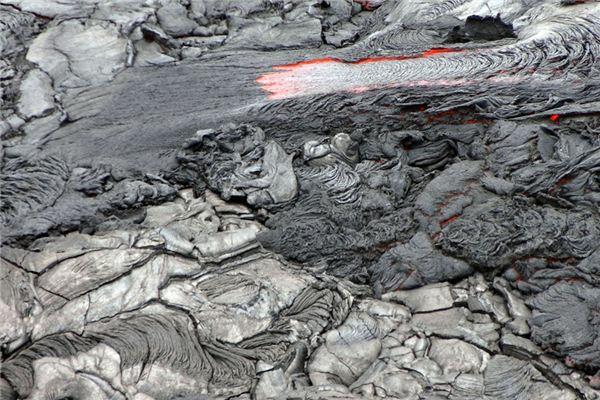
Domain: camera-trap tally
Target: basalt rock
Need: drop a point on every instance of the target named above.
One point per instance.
(570, 312)
(293, 199)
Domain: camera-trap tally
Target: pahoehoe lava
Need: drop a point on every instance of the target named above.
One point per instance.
(537, 55)
(300, 199)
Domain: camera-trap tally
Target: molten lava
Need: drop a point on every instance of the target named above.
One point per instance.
(311, 76)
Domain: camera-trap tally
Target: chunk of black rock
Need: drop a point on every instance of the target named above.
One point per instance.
(481, 28)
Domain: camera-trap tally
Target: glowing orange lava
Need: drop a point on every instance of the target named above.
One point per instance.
(325, 60)
(286, 82)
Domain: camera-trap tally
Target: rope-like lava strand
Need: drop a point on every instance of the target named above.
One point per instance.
(562, 47)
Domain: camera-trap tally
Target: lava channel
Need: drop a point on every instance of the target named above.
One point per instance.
(327, 75)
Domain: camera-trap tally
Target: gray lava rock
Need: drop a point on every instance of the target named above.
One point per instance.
(274, 34)
(495, 233)
(264, 176)
(415, 264)
(565, 319)
(361, 212)
(76, 55)
(461, 324)
(174, 20)
(428, 298)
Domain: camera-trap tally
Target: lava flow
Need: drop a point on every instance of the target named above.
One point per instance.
(330, 74)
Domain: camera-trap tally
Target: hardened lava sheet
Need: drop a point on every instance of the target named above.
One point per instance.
(300, 199)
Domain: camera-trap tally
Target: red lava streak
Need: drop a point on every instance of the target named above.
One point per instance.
(554, 118)
(326, 60)
(314, 76)
(439, 50)
(449, 220)
(564, 180)
(441, 115)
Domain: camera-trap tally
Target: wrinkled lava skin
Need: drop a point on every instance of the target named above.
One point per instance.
(336, 199)
(319, 75)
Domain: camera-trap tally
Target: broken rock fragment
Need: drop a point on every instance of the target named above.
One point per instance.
(75, 54)
(424, 299)
(173, 19)
(37, 97)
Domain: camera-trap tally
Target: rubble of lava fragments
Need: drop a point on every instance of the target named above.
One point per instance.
(300, 199)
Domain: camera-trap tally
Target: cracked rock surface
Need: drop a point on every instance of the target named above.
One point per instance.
(299, 199)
